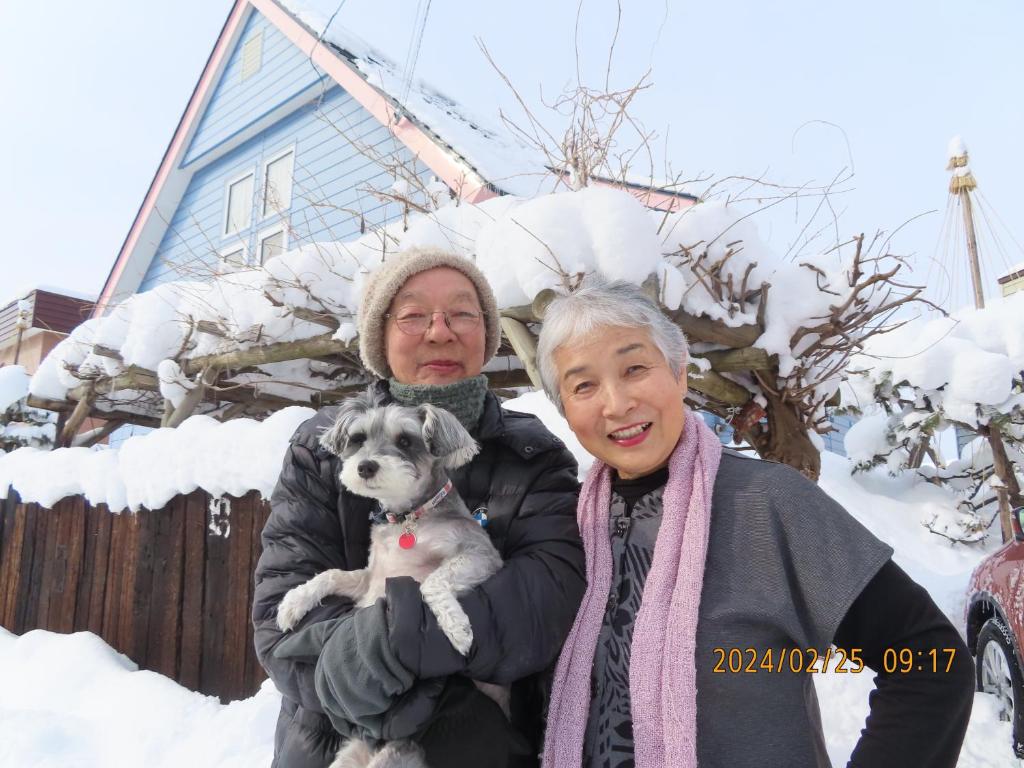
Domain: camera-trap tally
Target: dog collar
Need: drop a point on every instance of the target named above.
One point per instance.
(407, 540)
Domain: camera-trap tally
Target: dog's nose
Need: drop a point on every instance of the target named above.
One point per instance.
(367, 468)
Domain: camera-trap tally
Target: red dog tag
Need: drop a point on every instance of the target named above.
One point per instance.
(407, 540)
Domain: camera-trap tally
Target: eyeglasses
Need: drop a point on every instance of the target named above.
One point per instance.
(415, 320)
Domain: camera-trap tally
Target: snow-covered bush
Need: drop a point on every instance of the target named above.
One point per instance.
(20, 425)
(966, 372)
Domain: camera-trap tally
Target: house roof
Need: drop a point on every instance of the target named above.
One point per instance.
(47, 310)
(476, 161)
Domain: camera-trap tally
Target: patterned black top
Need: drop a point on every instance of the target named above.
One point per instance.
(634, 519)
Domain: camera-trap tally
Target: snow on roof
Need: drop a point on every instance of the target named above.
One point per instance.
(1015, 270)
(957, 147)
(12, 295)
(509, 164)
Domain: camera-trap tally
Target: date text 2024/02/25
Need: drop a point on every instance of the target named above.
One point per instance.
(769, 660)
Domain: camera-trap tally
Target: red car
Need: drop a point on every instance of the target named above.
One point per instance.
(995, 628)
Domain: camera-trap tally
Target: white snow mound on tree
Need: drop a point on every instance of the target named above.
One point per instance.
(523, 246)
(14, 380)
(149, 470)
(969, 359)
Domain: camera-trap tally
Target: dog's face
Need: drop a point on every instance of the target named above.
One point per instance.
(390, 452)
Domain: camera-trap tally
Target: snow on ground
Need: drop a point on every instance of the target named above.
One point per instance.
(894, 509)
(70, 700)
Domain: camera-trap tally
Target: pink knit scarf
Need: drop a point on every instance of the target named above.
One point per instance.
(662, 673)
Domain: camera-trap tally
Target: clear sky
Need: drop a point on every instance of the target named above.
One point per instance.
(91, 93)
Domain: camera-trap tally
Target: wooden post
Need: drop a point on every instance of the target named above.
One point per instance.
(194, 397)
(962, 184)
(78, 415)
(1009, 492)
(91, 438)
(525, 345)
(972, 248)
(165, 418)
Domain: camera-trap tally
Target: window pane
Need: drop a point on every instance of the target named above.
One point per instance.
(239, 205)
(234, 257)
(277, 185)
(271, 246)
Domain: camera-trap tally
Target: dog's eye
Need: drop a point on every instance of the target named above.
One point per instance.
(403, 441)
(357, 438)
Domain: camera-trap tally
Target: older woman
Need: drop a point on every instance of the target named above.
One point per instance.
(428, 323)
(717, 583)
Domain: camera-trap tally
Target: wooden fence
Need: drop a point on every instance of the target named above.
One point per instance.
(165, 587)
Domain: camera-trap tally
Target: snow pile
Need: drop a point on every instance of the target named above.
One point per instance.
(232, 457)
(71, 700)
(867, 438)
(711, 230)
(522, 247)
(960, 362)
(14, 380)
(548, 241)
(965, 371)
(20, 425)
(148, 470)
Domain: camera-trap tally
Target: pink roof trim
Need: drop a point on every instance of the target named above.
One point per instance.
(174, 150)
(467, 183)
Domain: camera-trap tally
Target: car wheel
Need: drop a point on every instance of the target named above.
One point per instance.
(1000, 676)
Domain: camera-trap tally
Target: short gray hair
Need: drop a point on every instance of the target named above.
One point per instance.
(600, 303)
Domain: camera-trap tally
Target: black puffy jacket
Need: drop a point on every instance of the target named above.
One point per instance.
(526, 479)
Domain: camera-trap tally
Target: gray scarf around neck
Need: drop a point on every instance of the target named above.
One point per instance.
(463, 399)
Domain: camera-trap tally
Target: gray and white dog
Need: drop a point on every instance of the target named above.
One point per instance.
(399, 456)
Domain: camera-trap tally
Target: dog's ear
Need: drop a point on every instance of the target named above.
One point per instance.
(333, 438)
(446, 437)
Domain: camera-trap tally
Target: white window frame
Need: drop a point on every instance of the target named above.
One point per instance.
(263, 183)
(227, 202)
(270, 232)
(222, 255)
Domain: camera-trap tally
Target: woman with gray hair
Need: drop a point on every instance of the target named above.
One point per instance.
(718, 583)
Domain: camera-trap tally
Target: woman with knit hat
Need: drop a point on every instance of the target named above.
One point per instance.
(428, 323)
(717, 582)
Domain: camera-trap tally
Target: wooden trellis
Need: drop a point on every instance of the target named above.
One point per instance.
(215, 391)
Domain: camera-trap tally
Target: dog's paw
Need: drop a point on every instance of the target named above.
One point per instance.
(293, 607)
(460, 633)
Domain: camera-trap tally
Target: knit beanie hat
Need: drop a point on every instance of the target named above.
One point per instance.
(383, 283)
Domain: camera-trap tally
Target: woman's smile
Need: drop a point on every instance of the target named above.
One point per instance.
(632, 435)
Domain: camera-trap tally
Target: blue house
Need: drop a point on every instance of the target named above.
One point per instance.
(289, 139)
